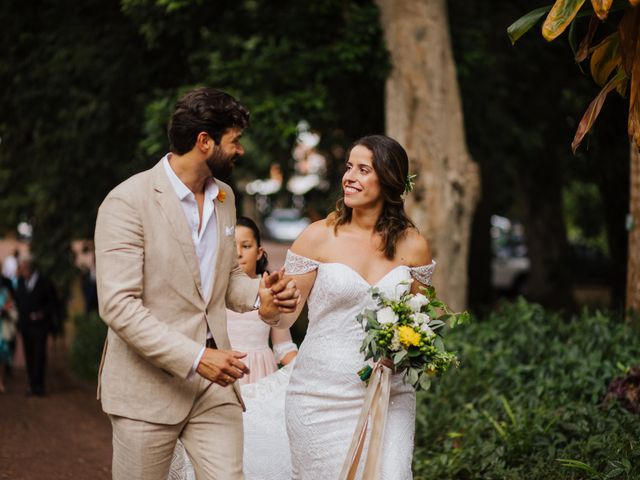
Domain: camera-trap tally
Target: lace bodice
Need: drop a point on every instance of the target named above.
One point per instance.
(297, 265)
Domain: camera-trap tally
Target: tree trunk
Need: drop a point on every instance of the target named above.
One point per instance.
(633, 265)
(424, 113)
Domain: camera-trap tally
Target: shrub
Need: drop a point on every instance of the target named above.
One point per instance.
(527, 401)
(86, 349)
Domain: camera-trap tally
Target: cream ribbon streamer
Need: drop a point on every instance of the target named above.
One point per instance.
(373, 414)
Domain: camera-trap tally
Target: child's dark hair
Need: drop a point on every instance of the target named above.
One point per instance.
(261, 264)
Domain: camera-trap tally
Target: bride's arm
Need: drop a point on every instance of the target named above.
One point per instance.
(303, 267)
(304, 282)
(417, 254)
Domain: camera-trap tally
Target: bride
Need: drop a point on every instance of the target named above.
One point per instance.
(368, 241)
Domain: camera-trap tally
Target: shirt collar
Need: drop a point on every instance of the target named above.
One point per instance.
(211, 189)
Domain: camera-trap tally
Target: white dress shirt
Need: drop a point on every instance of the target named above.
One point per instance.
(204, 234)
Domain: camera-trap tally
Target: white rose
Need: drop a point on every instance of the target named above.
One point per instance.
(426, 329)
(387, 316)
(417, 302)
(421, 318)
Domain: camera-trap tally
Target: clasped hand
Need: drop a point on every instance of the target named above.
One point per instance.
(277, 295)
(222, 366)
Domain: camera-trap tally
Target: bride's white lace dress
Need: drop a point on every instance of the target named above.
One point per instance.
(325, 394)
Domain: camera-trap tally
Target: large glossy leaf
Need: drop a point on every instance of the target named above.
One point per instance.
(525, 23)
(583, 48)
(590, 116)
(605, 57)
(622, 88)
(559, 18)
(601, 7)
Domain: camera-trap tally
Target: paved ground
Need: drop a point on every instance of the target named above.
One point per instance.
(63, 435)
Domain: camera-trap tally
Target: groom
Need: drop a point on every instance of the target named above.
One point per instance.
(166, 270)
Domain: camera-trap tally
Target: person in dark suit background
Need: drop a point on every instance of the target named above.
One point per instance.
(37, 308)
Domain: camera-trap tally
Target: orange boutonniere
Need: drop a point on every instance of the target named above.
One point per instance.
(222, 196)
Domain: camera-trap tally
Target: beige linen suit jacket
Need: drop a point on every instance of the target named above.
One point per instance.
(151, 297)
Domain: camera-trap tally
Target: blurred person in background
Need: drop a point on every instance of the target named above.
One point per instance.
(10, 268)
(8, 321)
(37, 309)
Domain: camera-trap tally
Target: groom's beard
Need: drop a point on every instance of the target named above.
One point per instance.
(221, 164)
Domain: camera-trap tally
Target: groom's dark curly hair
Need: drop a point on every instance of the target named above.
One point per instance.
(204, 109)
(391, 164)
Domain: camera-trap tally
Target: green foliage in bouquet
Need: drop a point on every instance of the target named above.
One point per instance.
(408, 330)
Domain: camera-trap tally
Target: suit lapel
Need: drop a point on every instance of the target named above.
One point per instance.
(170, 206)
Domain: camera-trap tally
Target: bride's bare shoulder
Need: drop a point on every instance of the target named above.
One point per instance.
(311, 241)
(414, 249)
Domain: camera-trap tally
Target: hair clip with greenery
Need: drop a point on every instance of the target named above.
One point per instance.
(409, 183)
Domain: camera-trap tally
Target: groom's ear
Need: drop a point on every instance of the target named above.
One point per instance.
(204, 143)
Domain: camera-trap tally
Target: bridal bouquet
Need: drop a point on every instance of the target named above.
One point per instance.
(408, 331)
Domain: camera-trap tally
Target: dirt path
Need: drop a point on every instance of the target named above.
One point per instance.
(64, 435)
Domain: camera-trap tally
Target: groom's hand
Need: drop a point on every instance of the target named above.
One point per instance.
(277, 296)
(222, 366)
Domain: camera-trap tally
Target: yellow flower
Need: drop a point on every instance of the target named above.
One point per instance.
(222, 196)
(408, 336)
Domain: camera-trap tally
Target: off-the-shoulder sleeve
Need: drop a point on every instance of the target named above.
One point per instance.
(423, 273)
(296, 264)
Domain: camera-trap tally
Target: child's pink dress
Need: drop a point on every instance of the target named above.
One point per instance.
(249, 334)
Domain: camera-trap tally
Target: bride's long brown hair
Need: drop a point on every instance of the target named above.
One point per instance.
(391, 164)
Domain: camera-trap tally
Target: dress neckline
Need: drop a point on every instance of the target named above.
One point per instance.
(361, 277)
(306, 264)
